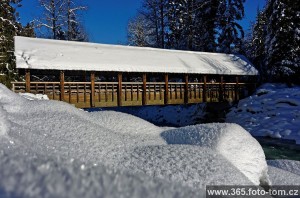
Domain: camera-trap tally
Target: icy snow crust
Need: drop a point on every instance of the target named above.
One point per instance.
(274, 110)
(32, 53)
(51, 149)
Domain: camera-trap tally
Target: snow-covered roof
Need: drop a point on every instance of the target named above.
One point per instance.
(33, 53)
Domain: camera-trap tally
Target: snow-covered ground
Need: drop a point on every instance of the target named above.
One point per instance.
(51, 149)
(170, 115)
(274, 111)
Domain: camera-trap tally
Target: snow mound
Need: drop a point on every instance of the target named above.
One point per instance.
(126, 123)
(30, 96)
(281, 177)
(30, 175)
(52, 148)
(231, 141)
(193, 166)
(274, 111)
(287, 165)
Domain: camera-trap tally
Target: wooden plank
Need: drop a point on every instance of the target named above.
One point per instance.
(236, 91)
(166, 98)
(221, 91)
(92, 89)
(186, 89)
(62, 86)
(119, 95)
(144, 96)
(204, 89)
(27, 79)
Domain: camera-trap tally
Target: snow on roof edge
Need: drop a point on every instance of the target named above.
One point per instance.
(47, 54)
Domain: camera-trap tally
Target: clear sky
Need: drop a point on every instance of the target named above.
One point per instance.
(106, 20)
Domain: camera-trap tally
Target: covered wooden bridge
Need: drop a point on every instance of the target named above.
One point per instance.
(96, 75)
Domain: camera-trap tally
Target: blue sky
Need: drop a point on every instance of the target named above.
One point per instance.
(106, 20)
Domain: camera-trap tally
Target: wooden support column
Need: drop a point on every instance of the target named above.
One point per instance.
(144, 96)
(236, 94)
(204, 89)
(27, 79)
(166, 97)
(119, 95)
(62, 86)
(92, 89)
(221, 91)
(186, 89)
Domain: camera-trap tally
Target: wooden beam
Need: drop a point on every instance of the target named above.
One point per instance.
(27, 79)
(221, 91)
(186, 89)
(204, 89)
(166, 98)
(62, 86)
(236, 94)
(144, 96)
(92, 89)
(119, 89)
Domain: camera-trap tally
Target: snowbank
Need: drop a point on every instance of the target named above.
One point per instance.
(50, 147)
(171, 115)
(274, 111)
(231, 141)
(284, 172)
(287, 165)
(31, 96)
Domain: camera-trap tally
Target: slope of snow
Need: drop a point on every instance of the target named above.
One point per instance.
(33, 53)
(170, 115)
(282, 177)
(287, 165)
(231, 141)
(50, 147)
(274, 110)
(31, 96)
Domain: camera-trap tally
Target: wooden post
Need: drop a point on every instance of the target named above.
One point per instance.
(119, 89)
(144, 96)
(27, 79)
(186, 89)
(62, 86)
(204, 89)
(221, 91)
(92, 89)
(166, 99)
(237, 89)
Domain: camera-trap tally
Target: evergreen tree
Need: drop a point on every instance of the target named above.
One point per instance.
(231, 33)
(9, 27)
(257, 52)
(283, 39)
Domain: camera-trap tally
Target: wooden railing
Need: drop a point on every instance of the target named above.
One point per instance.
(108, 94)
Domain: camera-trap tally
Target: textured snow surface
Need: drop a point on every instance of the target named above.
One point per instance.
(31, 96)
(281, 177)
(51, 149)
(171, 115)
(274, 111)
(231, 141)
(32, 53)
(287, 165)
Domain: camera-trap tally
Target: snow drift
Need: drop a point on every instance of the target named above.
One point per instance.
(48, 146)
(231, 141)
(274, 111)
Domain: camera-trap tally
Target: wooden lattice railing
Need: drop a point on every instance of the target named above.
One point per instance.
(104, 94)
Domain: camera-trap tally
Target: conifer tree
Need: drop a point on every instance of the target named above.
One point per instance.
(9, 27)
(283, 39)
(230, 32)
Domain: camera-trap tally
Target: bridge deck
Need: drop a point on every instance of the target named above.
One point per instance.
(109, 94)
